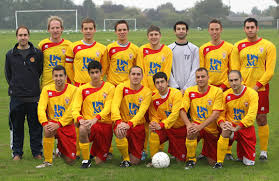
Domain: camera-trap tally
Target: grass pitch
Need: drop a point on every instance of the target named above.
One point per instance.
(25, 169)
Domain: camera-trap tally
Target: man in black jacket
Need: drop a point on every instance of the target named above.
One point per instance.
(23, 68)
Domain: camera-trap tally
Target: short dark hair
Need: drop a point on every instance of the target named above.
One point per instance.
(250, 20)
(153, 28)
(215, 21)
(58, 68)
(202, 69)
(180, 23)
(88, 20)
(160, 75)
(94, 65)
(235, 71)
(22, 27)
(135, 66)
(121, 22)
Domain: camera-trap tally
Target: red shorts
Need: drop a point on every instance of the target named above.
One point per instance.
(263, 107)
(136, 138)
(209, 148)
(101, 136)
(66, 137)
(177, 139)
(246, 143)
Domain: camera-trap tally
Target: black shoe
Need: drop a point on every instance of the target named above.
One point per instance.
(77, 157)
(85, 164)
(109, 156)
(190, 164)
(218, 165)
(262, 158)
(229, 156)
(125, 163)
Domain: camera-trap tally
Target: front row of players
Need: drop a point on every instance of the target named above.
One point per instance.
(99, 109)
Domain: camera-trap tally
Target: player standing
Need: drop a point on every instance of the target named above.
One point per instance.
(185, 59)
(91, 111)
(237, 121)
(130, 103)
(255, 57)
(55, 115)
(205, 103)
(54, 49)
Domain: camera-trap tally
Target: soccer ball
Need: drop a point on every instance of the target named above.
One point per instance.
(160, 160)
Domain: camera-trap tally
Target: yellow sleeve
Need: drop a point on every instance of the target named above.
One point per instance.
(202, 64)
(235, 60)
(168, 65)
(69, 64)
(107, 107)
(176, 106)
(218, 102)
(77, 104)
(42, 106)
(105, 63)
(186, 101)
(140, 63)
(270, 65)
(250, 117)
(116, 102)
(67, 117)
(142, 110)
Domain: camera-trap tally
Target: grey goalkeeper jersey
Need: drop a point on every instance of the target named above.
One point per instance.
(184, 64)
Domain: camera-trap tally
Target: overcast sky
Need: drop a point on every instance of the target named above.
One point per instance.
(236, 5)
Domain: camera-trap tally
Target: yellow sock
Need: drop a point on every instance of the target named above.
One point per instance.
(77, 143)
(222, 147)
(84, 148)
(229, 150)
(122, 145)
(191, 146)
(161, 148)
(111, 149)
(154, 143)
(48, 145)
(146, 128)
(263, 135)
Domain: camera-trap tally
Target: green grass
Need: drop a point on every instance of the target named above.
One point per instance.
(25, 169)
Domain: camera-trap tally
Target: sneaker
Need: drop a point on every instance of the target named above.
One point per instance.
(143, 155)
(263, 156)
(125, 164)
(190, 164)
(218, 165)
(201, 157)
(77, 157)
(229, 156)
(85, 164)
(109, 156)
(44, 165)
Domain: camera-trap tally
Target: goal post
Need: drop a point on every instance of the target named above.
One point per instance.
(47, 10)
(134, 20)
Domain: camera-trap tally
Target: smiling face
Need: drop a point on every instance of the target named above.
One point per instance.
(22, 37)
(154, 38)
(215, 30)
(202, 78)
(122, 32)
(88, 31)
(59, 77)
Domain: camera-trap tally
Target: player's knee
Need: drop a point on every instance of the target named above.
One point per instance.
(47, 133)
(261, 119)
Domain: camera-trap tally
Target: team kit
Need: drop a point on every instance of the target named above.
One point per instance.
(145, 96)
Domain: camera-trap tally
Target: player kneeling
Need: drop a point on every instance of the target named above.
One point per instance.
(237, 121)
(91, 111)
(130, 103)
(165, 123)
(55, 114)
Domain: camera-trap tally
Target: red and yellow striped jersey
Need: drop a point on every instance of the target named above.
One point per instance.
(153, 61)
(217, 60)
(56, 105)
(91, 102)
(54, 54)
(120, 60)
(130, 105)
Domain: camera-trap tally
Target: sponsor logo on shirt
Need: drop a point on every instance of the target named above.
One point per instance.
(154, 68)
(202, 112)
(58, 111)
(252, 61)
(133, 109)
(97, 106)
(238, 114)
(122, 66)
(215, 64)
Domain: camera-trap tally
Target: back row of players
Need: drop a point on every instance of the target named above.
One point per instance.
(126, 66)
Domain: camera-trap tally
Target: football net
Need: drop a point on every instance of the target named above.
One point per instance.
(109, 24)
(36, 20)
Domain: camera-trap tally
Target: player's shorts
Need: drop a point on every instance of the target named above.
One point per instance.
(209, 148)
(263, 107)
(66, 137)
(246, 143)
(101, 136)
(136, 137)
(177, 139)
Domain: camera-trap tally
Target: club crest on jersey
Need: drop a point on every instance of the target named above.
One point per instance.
(209, 102)
(170, 105)
(140, 99)
(32, 59)
(105, 95)
(261, 50)
(67, 100)
(131, 56)
(97, 53)
(63, 51)
(163, 58)
(224, 55)
(246, 104)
